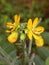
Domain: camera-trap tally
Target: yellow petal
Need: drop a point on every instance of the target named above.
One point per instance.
(8, 31)
(38, 30)
(29, 34)
(29, 24)
(35, 22)
(9, 25)
(17, 19)
(12, 38)
(38, 40)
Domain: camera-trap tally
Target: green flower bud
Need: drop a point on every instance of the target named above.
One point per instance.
(22, 36)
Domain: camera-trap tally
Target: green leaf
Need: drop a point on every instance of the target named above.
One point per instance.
(46, 37)
(38, 61)
(47, 61)
(43, 52)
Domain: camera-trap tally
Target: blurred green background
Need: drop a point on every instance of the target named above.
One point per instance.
(26, 9)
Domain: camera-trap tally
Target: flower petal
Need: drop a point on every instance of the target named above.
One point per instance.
(17, 19)
(9, 25)
(29, 34)
(29, 24)
(38, 40)
(8, 31)
(38, 30)
(12, 38)
(35, 22)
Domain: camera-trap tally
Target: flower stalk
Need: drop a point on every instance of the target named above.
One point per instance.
(30, 46)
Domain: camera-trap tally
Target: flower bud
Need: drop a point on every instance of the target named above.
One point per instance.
(22, 36)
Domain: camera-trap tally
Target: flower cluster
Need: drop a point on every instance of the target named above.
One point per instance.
(28, 30)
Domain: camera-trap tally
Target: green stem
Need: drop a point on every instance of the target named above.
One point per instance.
(24, 53)
(31, 59)
(30, 45)
(33, 55)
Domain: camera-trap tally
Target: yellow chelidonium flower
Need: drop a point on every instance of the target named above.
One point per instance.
(14, 35)
(35, 32)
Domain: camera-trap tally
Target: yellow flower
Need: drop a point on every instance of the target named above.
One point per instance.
(13, 37)
(34, 31)
(14, 25)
